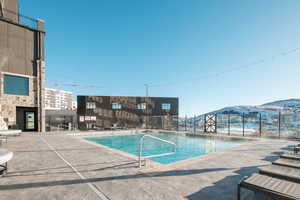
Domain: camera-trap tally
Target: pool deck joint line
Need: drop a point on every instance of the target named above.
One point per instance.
(98, 192)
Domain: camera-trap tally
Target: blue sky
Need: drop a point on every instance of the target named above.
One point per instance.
(200, 51)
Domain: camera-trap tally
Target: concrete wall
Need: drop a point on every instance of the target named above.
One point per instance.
(18, 48)
(11, 9)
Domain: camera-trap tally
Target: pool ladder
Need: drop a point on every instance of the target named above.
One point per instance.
(155, 155)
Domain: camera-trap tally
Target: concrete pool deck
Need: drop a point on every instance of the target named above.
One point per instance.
(60, 166)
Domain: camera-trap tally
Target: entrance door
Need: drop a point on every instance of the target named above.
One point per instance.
(27, 118)
(29, 121)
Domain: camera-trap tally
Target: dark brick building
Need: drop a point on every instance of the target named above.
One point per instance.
(103, 112)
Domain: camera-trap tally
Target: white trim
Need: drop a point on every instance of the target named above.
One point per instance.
(20, 75)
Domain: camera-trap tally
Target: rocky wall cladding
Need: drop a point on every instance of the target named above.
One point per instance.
(10, 102)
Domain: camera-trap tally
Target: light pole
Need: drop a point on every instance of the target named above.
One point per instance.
(147, 103)
(147, 89)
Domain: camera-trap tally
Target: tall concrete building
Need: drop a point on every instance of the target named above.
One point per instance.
(22, 69)
(58, 99)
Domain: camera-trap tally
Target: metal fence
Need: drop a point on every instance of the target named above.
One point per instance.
(18, 18)
(275, 125)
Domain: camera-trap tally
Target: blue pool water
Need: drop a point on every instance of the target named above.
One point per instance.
(187, 146)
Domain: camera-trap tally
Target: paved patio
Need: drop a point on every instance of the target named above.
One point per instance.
(64, 167)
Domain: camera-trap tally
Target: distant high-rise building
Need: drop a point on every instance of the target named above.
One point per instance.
(58, 99)
(74, 105)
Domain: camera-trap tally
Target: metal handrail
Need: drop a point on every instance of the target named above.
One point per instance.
(156, 155)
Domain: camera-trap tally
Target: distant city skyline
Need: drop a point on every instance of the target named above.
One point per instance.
(210, 54)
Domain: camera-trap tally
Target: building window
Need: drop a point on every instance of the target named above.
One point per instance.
(141, 106)
(116, 106)
(90, 105)
(166, 106)
(16, 85)
(90, 125)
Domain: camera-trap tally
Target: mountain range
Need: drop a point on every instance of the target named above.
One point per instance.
(271, 108)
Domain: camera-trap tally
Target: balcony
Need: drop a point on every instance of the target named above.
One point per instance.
(17, 18)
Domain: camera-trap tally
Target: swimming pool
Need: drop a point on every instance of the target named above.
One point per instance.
(187, 146)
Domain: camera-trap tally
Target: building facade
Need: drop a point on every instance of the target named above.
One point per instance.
(74, 105)
(58, 99)
(104, 112)
(22, 69)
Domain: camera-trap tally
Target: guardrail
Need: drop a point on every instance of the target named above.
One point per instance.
(155, 155)
(18, 18)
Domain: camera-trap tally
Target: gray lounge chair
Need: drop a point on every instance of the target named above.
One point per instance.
(282, 172)
(296, 149)
(10, 133)
(287, 162)
(277, 188)
(291, 156)
(5, 156)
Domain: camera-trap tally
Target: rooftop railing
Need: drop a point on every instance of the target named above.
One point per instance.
(275, 125)
(18, 18)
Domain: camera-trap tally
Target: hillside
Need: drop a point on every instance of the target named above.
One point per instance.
(271, 108)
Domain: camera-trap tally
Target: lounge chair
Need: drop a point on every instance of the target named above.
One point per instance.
(296, 149)
(5, 156)
(277, 188)
(282, 172)
(291, 156)
(10, 133)
(287, 162)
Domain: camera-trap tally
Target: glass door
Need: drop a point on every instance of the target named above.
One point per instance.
(29, 120)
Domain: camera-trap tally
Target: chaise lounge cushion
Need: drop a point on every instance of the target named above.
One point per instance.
(287, 162)
(289, 173)
(277, 187)
(11, 133)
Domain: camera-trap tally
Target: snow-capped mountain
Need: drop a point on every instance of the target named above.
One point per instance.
(290, 103)
(272, 108)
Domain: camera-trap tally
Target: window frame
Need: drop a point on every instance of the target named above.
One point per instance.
(5, 89)
(116, 106)
(169, 106)
(141, 106)
(88, 105)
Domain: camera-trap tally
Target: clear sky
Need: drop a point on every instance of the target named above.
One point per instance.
(206, 52)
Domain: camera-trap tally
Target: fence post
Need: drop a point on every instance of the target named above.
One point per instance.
(243, 124)
(216, 123)
(279, 124)
(228, 124)
(204, 124)
(194, 124)
(185, 122)
(260, 125)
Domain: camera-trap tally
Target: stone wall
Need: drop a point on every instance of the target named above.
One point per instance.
(3, 124)
(10, 102)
